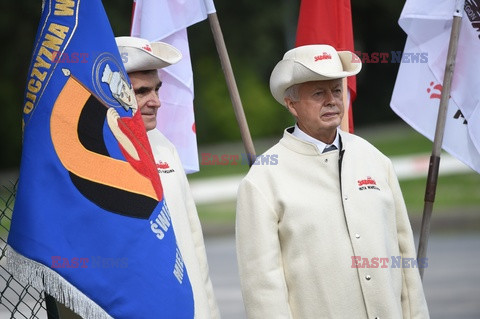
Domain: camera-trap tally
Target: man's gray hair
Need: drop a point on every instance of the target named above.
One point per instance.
(292, 92)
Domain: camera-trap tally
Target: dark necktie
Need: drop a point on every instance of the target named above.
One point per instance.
(329, 148)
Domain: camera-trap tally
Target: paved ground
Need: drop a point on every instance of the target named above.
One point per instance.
(452, 281)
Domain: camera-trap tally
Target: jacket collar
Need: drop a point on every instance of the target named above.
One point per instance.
(297, 132)
(304, 147)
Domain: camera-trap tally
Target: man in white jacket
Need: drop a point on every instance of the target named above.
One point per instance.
(324, 233)
(142, 59)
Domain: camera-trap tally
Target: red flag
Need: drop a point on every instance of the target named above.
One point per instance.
(328, 22)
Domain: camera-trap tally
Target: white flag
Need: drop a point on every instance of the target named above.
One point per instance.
(167, 21)
(416, 96)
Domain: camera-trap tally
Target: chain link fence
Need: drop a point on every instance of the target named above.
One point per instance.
(17, 300)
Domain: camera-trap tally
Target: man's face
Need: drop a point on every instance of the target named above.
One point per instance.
(146, 85)
(319, 108)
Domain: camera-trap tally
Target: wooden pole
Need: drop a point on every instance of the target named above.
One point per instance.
(344, 125)
(232, 87)
(432, 177)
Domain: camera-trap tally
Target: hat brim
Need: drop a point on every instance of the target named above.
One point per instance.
(138, 59)
(290, 72)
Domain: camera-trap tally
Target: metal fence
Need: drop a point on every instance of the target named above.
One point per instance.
(17, 300)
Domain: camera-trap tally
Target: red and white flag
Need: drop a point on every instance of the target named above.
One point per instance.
(328, 22)
(416, 96)
(167, 21)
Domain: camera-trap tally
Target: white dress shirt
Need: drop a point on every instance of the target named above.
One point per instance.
(298, 133)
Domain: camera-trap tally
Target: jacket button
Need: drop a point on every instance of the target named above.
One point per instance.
(357, 236)
(368, 277)
(346, 197)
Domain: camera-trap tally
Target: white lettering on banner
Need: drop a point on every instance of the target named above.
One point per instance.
(162, 223)
(178, 269)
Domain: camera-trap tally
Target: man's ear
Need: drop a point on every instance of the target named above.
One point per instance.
(289, 104)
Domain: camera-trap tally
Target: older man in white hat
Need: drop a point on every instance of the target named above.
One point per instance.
(325, 232)
(142, 59)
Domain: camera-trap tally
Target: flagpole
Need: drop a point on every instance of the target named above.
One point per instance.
(232, 86)
(344, 124)
(434, 165)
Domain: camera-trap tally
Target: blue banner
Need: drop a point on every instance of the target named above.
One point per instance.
(90, 224)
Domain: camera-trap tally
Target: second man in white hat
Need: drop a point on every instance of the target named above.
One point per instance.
(142, 59)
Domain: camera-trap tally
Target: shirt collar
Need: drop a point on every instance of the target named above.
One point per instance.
(298, 133)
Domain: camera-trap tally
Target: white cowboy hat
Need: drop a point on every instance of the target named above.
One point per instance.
(317, 62)
(141, 55)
